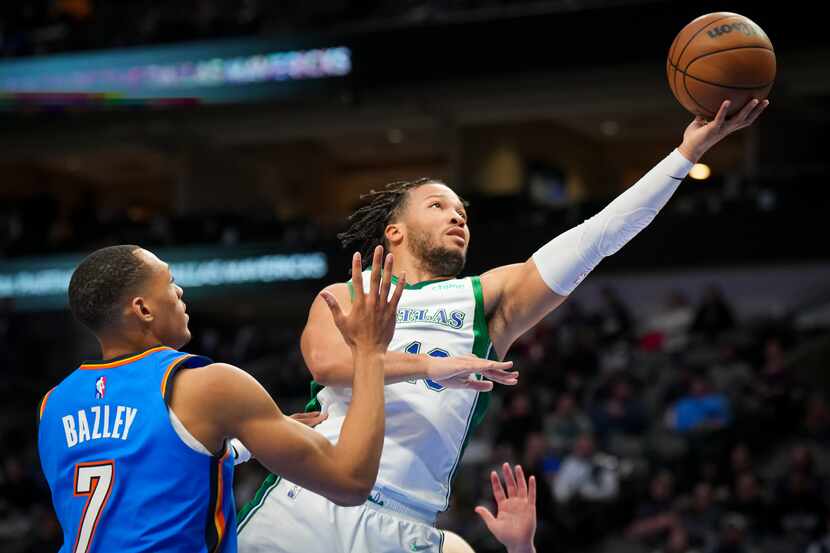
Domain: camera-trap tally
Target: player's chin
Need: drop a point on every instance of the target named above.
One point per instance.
(182, 337)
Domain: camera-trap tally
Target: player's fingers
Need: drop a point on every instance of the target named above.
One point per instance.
(334, 306)
(386, 279)
(509, 481)
(478, 385)
(721, 115)
(306, 415)
(396, 295)
(531, 490)
(357, 278)
(746, 111)
(314, 421)
(498, 491)
(521, 483)
(311, 419)
(374, 282)
(759, 109)
(508, 378)
(486, 516)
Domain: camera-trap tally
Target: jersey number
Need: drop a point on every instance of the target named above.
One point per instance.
(415, 348)
(93, 480)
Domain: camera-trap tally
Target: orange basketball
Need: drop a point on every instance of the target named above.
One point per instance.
(720, 56)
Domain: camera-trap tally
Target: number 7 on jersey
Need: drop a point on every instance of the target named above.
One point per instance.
(93, 480)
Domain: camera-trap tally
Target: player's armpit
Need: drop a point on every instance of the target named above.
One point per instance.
(516, 299)
(220, 401)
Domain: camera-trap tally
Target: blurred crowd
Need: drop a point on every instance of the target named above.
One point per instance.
(41, 225)
(40, 27)
(683, 431)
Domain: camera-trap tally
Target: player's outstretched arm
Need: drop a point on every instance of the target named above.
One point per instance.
(329, 359)
(518, 296)
(514, 523)
(221, 401)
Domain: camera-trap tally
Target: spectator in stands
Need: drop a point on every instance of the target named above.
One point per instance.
(678, 542)
(740, 464)
(566, 423)
(817, 419)
(714, 315)
(701, 409)
(585, 489)
(586, 475)
(800, 508)
(614, 318)
(518, 421)
(822, 545)
(656, 516)
(733, 536)
(620, 413)
(668, 330)
(778, 389)
(747, 500)
(702, 516)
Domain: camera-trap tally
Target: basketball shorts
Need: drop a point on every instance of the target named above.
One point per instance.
(285, 518)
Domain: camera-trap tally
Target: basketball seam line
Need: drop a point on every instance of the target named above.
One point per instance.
(689, 93)
(727, 50)
(738, 87)
(691, 38)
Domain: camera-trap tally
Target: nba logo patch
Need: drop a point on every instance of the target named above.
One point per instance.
(294, 492)
(100, 387)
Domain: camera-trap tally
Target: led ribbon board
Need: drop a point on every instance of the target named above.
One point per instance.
(208, 72)
(43, 282)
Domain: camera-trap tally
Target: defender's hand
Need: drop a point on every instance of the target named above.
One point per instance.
(457, 372)
(702, 134)
(311, 418)
(371, 322)
(515, 523)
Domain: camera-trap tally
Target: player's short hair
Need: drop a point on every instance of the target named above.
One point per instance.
(367, 224)
(100, 283)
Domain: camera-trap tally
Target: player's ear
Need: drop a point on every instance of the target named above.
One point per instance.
(394, 233)
(140, 309)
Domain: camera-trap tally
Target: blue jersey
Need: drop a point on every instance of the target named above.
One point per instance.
(121, 477)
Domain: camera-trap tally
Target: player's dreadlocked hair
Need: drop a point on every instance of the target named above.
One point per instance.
(368, 223)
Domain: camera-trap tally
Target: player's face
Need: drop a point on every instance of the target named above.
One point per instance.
(437, 231)
(163, 297)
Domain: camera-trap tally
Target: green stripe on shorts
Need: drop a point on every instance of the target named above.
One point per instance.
(271, 481)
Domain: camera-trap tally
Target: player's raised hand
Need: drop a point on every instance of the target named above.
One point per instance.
(371, 322)
(514, 524)
(702, 134)
(458, 372)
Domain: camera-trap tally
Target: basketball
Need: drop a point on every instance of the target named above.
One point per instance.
(720, 56)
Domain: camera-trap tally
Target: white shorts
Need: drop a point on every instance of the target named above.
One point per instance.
(290, 519)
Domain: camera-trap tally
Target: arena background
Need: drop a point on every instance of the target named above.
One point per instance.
(234, 138)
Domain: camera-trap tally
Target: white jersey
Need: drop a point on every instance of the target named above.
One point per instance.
(427, 425)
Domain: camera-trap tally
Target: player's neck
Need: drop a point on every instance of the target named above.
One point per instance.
(414, 269)
(116, 346)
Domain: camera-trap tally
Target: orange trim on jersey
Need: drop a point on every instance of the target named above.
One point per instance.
(43, 401)
(167, 372)
(219, 513)
(120, 362)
